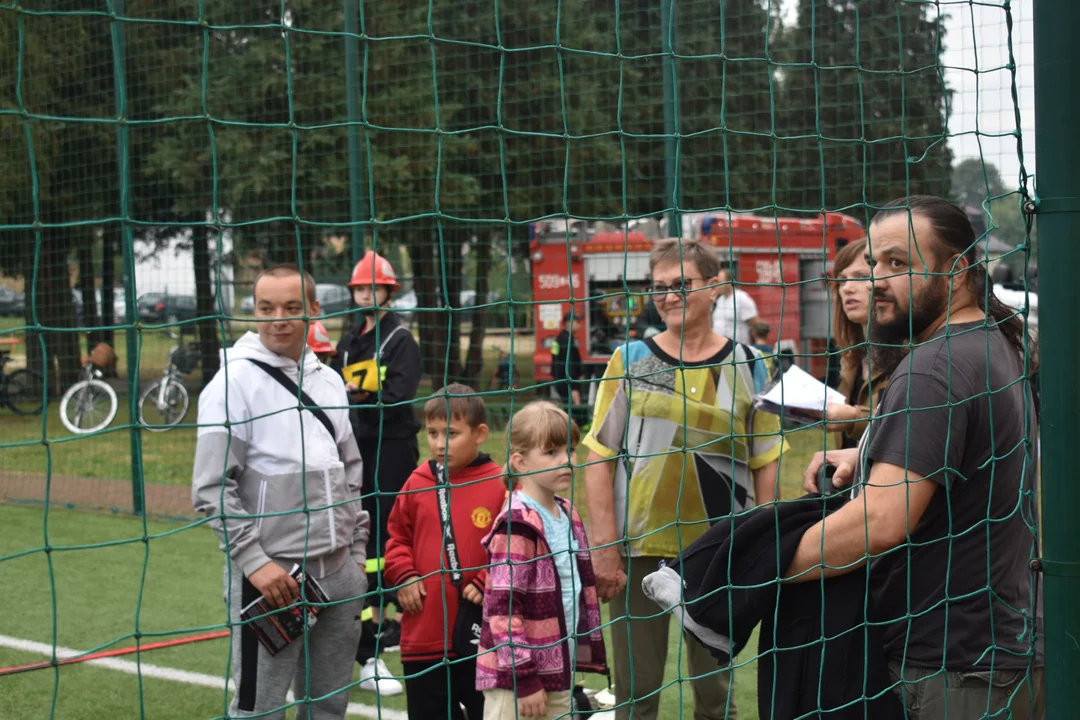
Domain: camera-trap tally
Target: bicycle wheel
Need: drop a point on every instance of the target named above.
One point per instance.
(24, 392)
(171, 411)
(88, 406)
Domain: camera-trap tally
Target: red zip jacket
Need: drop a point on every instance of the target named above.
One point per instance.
(415, 548)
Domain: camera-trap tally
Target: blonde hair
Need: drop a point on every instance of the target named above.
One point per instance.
(542, 425)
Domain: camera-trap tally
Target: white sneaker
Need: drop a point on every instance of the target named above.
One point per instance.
(605, 698)
(375, 677)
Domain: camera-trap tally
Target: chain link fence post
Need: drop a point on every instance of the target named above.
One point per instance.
(1057, 105)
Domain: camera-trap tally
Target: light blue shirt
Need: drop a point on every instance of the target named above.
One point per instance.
(560, 538)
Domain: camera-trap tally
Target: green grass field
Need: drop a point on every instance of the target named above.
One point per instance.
(90, 581)
(166, 586)
(42, 444)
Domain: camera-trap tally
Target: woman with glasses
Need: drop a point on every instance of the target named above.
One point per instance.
(675, 445)
(851, 309)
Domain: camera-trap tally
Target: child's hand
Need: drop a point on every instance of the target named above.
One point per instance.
(534, 705)
(411, 597)
(473, 595)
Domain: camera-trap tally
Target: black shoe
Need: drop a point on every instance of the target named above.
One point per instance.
(369, 633)
(390, 636)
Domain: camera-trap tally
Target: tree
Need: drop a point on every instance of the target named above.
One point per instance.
(978, 184)
(864, 104)
(70, 165)
(974, 182)
(75, 163)
(277, 186)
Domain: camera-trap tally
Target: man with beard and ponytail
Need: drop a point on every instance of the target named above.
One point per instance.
(380, 362)
(943, 501)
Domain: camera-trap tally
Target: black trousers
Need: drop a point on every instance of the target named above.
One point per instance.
(442, 690)
(395, 459)
(579, 413)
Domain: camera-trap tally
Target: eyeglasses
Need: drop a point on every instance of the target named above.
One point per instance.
(686, 285)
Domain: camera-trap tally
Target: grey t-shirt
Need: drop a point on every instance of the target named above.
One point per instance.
(958, 410)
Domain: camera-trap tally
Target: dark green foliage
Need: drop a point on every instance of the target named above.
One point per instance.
(865, 106)
(472, 126)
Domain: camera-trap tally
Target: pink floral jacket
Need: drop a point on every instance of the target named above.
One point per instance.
(523, 638)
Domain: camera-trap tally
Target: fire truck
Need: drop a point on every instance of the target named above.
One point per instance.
(603, 274)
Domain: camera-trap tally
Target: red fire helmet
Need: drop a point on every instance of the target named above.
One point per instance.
(319, 340)
(374, 268)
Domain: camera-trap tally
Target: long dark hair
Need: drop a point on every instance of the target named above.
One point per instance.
(849, 336)
(954, 233)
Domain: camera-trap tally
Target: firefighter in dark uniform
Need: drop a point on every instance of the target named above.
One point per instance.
(380, 361)
(568, 371)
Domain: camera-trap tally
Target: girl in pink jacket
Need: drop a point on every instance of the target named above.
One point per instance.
(541, 611)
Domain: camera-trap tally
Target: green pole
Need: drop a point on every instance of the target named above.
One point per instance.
(667, 31)
(1057, 156)
(352, 101)
(130, 316)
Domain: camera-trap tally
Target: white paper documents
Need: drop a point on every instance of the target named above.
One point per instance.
(798, 397)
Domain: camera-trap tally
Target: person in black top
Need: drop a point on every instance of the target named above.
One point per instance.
(943, 509)
(380, 362)
(566, 367)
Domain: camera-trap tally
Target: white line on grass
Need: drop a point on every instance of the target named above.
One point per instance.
(166, 673)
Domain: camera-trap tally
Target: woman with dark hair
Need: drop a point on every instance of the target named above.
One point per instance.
(851, 309)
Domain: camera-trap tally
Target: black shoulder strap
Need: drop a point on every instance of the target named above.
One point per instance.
(442, 485)
(295, 391)
(751, 357)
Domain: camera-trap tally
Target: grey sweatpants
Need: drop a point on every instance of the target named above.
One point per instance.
(261, 680)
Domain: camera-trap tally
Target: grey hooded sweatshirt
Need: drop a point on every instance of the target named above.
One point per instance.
(273, 482)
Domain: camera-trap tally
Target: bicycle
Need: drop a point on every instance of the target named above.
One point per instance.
(164, 404)
(19, 390)
(90, 404)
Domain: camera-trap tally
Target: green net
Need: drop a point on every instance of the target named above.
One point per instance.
(515, 162)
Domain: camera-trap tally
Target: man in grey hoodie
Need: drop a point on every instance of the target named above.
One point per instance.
(281, 484)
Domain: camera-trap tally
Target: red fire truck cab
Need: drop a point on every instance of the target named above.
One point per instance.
(604, 276)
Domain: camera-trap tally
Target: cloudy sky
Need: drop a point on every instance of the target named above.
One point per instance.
(978, 40)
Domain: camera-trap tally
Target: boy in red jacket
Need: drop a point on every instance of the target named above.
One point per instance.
(418, 561)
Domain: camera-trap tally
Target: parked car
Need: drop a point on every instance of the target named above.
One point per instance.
(11, 302)
(119, 306)
(161, 308)
(333, 298)
(77, 300)
(404, 305)
(1018, 299)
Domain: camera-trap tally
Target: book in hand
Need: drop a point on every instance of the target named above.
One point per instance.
(798, 397)
(277, 628)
